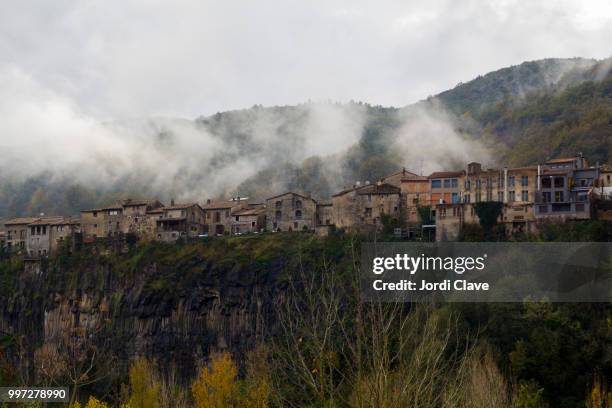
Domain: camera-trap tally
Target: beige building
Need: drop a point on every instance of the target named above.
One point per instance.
(249, 220)
(363, 206)
(180, 221)
(220, 214)
(291, 212)
(415, 193)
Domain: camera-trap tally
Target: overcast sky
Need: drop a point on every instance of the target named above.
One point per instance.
(134, 58)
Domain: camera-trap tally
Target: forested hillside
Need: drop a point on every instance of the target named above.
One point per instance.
(514, 116)
(296, 299)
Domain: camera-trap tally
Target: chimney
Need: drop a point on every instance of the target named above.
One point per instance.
(172, 202)
(403, 171)
(208, 201)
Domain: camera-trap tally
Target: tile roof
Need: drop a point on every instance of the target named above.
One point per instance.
(291, 192)
(442, 174)
(20, 221)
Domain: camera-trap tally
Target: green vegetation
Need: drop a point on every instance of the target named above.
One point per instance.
(322, 346)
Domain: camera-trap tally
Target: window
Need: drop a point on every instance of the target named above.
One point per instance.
(478, 183)
(368, 212)
(298, 214)
(524, 195)
(558, 196)
(511, 181)
(500, 181)
(559, 182)
(436, 183)
(217, 217)
(113, 212)
(546, 183)
(278, 215)
(511, 196)
(295, 225)
(447, 183)
(500, 196)
(467, 184)
(369, 198)
(207, 215)
(580, 207)
(454, 183)
(95, 213)
(455, 198)
(227, 213)
(298, 204)
(279, 204)
(543, 208)
(237, 218)
(546, 197)
(466, 198)
(524, 180)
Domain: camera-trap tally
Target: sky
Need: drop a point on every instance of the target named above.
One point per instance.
(112, 60)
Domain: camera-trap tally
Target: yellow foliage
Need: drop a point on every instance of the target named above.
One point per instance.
(600, 395)
(95, 403)
(144, 387)
(258, 382)
(216, 386)
(92, 403)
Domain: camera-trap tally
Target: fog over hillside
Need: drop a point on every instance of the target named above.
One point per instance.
(211, 156)
(58, 158)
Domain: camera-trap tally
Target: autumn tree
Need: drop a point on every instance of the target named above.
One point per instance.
(216, 385)
(144, 387)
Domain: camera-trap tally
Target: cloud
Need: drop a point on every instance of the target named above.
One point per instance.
(429, 140)
(186, 159)
(185, 58)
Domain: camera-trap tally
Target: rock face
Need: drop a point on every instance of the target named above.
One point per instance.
(175, 304)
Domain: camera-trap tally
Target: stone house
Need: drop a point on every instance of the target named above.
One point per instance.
(450, 219)
(220, 214)
(325, 217)
(180, 221)
(249, 220)
(61, 231)
(102, 222)
(291, 212)
(363, 206)
(46, 235)
(16, 233)
(135, 217)
(39, 236)
(415, 193)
